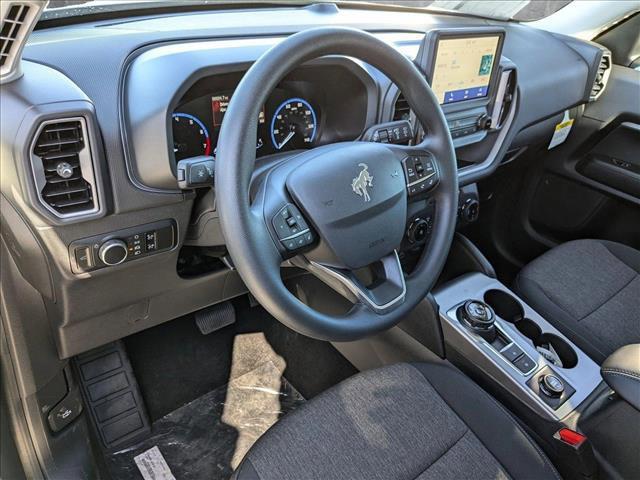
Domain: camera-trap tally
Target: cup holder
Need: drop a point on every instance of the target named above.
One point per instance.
(529, 329)
(510, 309)
(565, 352)
(505, 305)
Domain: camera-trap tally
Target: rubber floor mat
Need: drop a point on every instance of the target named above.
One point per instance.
(208, 437)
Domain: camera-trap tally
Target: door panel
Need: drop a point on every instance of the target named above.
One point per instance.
(589, 187)
(615, 161)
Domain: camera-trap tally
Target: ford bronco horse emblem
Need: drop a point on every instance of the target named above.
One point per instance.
(362, 181)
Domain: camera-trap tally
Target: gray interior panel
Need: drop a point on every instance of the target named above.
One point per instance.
(127, 95)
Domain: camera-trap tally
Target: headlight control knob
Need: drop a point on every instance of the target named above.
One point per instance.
(113, 252)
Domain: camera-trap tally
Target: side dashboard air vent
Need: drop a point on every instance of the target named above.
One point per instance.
(63, 170)
(401, 109)
(602, 76)
(17, 19)
(11, 28)
(504, 98)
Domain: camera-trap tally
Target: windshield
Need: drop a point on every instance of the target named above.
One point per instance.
(520, 10)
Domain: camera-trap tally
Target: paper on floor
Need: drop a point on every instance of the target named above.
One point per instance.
(153, 466)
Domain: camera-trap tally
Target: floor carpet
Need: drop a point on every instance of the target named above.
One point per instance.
(208, 437)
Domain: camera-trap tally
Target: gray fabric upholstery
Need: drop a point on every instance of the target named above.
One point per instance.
(392, 423)
(590, 291)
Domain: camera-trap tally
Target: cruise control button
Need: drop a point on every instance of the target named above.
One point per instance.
(428, 166)
(290, 244)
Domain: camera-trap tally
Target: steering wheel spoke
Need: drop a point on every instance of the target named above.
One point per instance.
(381, 294)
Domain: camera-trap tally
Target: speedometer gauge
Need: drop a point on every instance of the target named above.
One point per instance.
(293, 124)
(190, 136)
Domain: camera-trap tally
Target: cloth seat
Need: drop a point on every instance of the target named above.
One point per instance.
(590, 291)
(405, 421)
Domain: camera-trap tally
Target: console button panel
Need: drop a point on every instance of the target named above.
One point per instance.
(122, 246)
(462, 127)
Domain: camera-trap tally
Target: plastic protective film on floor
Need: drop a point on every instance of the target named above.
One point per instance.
(208, 437)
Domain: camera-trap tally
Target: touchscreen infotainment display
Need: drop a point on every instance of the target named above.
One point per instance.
(462, 68)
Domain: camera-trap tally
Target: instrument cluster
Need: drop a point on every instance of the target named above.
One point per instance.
(287, 121)
(332, 101)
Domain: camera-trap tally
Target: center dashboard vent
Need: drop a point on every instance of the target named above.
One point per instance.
(62, 166)
(602, 76)
(401, 109)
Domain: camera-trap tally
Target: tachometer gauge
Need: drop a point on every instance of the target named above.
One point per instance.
(190, 136)
(293, 124)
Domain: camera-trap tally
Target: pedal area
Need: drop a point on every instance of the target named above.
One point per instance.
(112, 395)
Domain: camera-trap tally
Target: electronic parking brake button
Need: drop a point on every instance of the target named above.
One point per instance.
(512, 353)
(524, 364)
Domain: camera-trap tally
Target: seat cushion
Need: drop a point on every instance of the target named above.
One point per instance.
(405, 421)
(590, 291)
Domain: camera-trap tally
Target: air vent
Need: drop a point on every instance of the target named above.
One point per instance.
(504, 98)
(401, 109)
(17, 20)
(63, 170)
(602, 76)
(11, 27)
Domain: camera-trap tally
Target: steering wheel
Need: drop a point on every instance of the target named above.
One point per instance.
(337, 208)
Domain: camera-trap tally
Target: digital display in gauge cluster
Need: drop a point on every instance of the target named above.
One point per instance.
(285, 122)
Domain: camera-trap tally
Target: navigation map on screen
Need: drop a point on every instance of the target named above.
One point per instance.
(463, 67)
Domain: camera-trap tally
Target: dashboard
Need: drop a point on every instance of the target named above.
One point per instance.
(156, 95)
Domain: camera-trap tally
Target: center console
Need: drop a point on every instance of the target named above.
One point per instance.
(507, 340)
(473, 83)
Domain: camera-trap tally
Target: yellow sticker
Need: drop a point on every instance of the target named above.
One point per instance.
(561, 131)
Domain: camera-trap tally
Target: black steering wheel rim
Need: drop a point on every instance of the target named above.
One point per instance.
(252, 248)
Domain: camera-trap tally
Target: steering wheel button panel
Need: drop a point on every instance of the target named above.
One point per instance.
(291, 228)
(421, 174)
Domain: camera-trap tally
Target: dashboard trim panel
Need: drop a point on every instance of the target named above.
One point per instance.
(146, 104)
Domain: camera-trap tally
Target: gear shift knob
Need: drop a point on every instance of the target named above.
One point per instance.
(478, 317)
